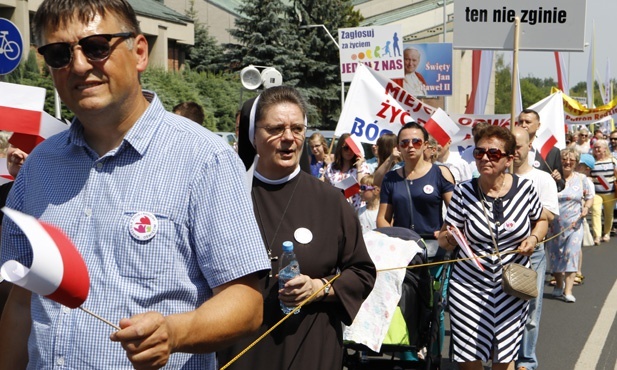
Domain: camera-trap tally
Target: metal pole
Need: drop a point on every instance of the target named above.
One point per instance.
(338, 47)
(445, 23)
(513, 105)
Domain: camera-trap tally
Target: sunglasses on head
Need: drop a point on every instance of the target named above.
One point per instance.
(416, 142)
(366, 187)
(493, 154)
(96, 48)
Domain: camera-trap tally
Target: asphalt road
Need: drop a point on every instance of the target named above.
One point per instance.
(580, 335)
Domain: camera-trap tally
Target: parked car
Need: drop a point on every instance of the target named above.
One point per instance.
(229, 137)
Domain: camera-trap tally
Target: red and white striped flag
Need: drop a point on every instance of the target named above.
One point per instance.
(441, 127)
(562, 78)
(349, 186)
(482, 66)
(602, 181)
(551, 133)
(21, 112)
(462, 242)
(21, 107)
(58, 271)
(355, 148)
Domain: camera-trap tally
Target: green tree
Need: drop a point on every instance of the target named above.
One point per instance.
(266, 38)
(205, 54)
(503, 86)
(321, 81)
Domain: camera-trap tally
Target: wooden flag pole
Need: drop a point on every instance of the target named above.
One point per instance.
(515, 87)
(100, 318)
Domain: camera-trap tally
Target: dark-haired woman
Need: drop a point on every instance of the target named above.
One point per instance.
(486, 323)
(347, 164)
(413, 195)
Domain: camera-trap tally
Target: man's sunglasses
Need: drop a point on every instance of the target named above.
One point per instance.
(416, 142)
(366, 187)
(493, 154)
(96, 48)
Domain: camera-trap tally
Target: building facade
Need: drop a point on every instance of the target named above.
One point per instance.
(167, 31)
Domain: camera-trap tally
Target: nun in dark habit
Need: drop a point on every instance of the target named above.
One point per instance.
(292, 205)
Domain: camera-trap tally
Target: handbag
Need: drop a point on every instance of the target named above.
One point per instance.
(516, 280)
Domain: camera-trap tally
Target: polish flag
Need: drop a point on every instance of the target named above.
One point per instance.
(49, 126)
(21, 107)
(349, 186)
(462, 242)
(354, 147)
(441, 127)
(58, 271)
(602, 181)
(562, 78)
(482, 66)
(21, 112)
(551, 132)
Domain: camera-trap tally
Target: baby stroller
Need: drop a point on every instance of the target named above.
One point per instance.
(421, 316)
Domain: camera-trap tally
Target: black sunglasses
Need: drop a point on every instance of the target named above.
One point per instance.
(96, 48)
(493, 154)
(416, 142)
(366, 187)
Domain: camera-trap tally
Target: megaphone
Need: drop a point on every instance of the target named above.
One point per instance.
(250, 77)
(270, 77)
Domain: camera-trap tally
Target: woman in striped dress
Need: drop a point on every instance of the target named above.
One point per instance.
(604, 175)
(486, 323)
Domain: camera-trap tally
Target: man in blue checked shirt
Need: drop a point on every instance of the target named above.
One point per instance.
(155, 204)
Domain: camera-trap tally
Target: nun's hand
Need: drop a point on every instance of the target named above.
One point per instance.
(298, 289)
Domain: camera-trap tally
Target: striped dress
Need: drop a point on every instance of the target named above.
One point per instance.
(487, 323)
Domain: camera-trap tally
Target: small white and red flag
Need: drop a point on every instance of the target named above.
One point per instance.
(462, 241)
(349, 186)
(58, 271)
(21, 112)
(441, 127)
(603, 182)
(21, 107)
(49, 126)
(355, 148)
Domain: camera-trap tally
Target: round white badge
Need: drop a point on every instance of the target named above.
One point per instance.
(143, 226)
(303, 235)
(536, 164)
(509, 225)
(428, 189)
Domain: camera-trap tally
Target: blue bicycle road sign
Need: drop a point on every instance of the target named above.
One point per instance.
(10, 46)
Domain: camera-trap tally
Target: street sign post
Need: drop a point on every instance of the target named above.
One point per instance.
(11, 46)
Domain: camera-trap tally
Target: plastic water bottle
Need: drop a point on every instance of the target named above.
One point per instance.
(288, 269)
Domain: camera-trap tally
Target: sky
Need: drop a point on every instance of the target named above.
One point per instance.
(542, 64)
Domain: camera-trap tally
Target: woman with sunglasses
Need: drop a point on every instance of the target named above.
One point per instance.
(289, 206)
(347, 164)
(583, 144)
(412, 196)
(486, 323)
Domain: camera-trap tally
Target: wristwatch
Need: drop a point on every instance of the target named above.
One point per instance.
(326, 290)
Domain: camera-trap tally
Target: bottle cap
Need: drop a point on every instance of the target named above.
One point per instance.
(288, 246)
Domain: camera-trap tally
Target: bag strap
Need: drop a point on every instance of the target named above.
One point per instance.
(411, 225)
(488, 220)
